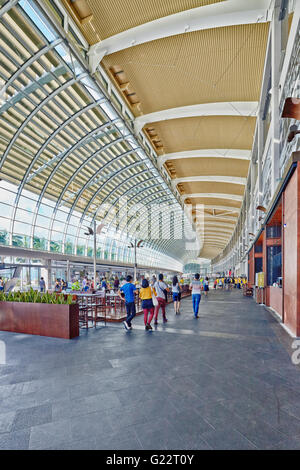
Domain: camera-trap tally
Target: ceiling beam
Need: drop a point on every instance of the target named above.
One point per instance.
(209, 178)
(235, 108)
(240, 154)
(232, 197)
(217, 208)
(217, 15)
(218, 217)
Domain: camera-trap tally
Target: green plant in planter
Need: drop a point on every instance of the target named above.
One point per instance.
(33, 296)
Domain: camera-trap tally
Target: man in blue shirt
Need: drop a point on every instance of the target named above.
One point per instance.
(128, 289)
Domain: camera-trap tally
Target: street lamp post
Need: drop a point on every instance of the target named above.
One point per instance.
(135, 245)
(93, 231)
(95, 254)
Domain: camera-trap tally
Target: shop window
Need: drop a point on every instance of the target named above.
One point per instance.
(273, 264)
(274, 231)
(258, 265)
(258, 248)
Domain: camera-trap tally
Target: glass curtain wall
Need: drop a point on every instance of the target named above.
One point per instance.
(68, 158)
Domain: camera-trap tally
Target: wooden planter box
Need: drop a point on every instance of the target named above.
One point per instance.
(57, 321)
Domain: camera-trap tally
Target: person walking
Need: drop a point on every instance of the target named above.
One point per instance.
(195, 287)
(161, 292)
(146, 293)
(176, 293)
(206, 286)
(42, 285)
(57, 287)
(104, 283)
(128, 290)
(116, 283)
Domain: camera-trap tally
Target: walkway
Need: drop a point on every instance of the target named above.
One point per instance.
(224, 381)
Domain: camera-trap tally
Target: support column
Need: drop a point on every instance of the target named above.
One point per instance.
(260, 151)
(49, 274)
(275, 75)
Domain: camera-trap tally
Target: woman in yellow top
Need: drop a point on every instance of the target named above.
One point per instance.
(147, 304)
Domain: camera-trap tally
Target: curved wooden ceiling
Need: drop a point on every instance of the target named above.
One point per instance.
(215, 65)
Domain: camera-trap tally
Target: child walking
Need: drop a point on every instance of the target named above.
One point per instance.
(147, 304)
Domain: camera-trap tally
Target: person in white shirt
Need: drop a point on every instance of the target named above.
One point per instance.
(161, 289)
(195, 287)
(206, 286)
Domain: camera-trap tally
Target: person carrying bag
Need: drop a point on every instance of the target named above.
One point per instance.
(161, 290)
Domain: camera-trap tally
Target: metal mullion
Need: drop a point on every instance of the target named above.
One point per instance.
(77, 124)
(60, 102)
(23, 182)
(35, 111)
(167, 198)
(105, 199)
(73, 97)
(69, 151)
(41, 52)
(31, 100)
(65, 112)
(49, 141)
(133, 198)
(17, 37)
(133, 165)
(8, 6)
(13, 61)
(86, 121)
(119, 157)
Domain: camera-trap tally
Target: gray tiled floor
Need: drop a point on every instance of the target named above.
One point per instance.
(224, 381)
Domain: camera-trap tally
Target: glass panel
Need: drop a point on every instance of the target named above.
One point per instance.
(273, 264)
(23, 215)
(20, 227)
(42, 221)
(274, 231)
(258, 265)
(21, 240)
(6, 210)
(39, 243)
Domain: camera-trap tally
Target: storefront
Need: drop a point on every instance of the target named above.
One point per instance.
(276, 252)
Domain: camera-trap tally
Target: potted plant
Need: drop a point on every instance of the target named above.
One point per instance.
(44, 314)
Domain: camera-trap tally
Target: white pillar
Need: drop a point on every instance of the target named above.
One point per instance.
(95, 253)
(260, 150)
(275, 74)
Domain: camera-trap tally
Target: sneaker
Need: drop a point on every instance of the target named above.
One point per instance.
(156, 322)
(165, 320)
(126, 326)
(149, 327)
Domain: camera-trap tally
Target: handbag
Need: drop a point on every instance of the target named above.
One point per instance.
(154, 299)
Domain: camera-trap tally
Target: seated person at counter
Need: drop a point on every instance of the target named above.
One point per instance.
(128, 289)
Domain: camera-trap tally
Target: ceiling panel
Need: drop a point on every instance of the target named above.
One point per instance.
(206, 132)
(213, 187)
(208, 166)
(214, 65)
(111, 17)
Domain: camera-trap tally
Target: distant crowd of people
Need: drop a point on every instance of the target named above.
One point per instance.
(152, 292)
(154, 297)
(229, 282)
